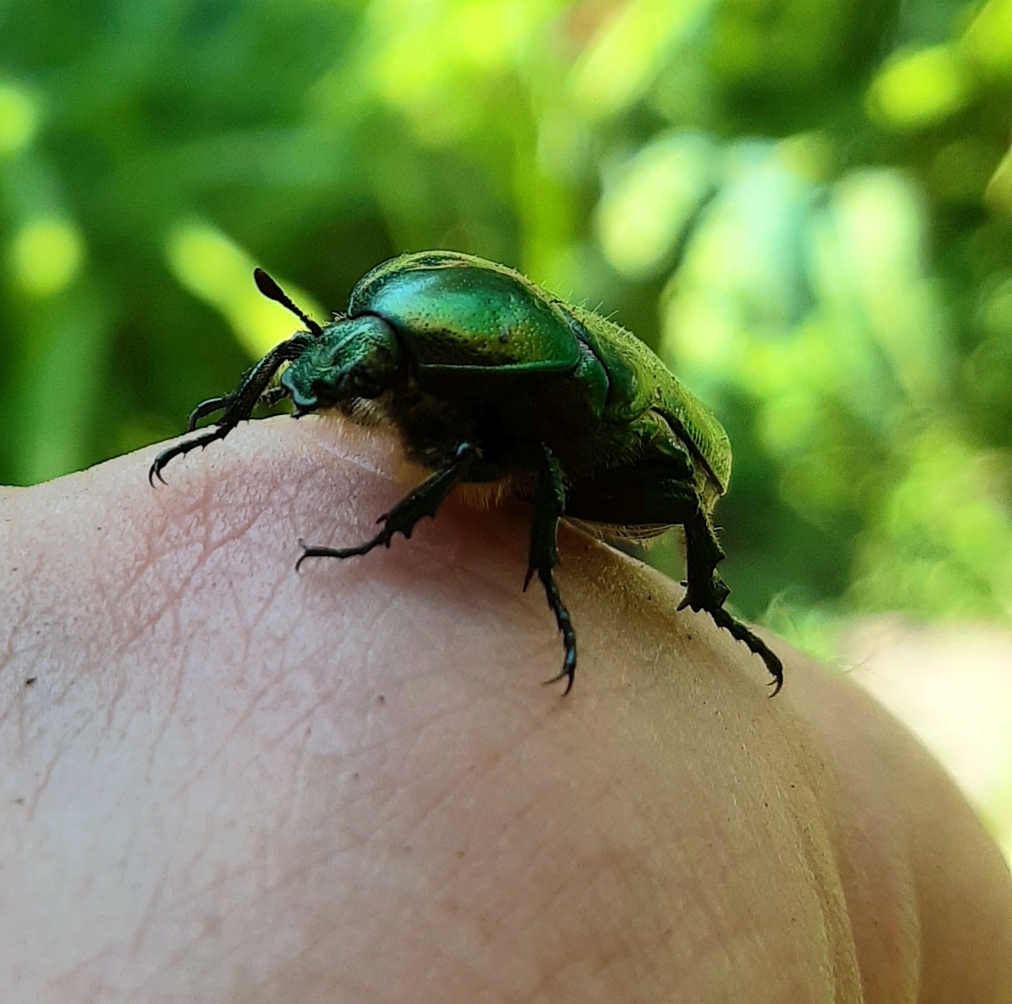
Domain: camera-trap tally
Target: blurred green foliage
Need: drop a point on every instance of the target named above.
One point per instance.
(805, 205)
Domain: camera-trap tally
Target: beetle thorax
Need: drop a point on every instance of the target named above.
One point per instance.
(353, 358)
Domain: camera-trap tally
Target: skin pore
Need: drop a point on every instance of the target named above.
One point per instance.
(225, 781)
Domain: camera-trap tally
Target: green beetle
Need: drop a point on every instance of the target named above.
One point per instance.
(490, 380)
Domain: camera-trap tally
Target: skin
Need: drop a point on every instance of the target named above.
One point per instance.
(229, 782)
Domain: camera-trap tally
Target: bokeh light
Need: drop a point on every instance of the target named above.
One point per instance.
(46, 255)
(18, 120)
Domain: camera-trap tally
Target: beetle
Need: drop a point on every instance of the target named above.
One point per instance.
(492, 381)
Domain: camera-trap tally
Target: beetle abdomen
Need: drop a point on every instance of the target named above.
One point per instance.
(640, 381)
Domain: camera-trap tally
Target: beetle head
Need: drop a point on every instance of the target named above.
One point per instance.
(355, 357)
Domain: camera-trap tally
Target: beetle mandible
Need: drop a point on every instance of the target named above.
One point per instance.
(490, 379)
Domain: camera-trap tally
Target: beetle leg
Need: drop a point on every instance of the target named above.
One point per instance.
(549, 503)
(181, 449)
(645, 496)
(267, 399)
(704, 588)
(425, 500)
(272, 396)
(238, 406)
(205, 408)
(738, 631)
(706, 591)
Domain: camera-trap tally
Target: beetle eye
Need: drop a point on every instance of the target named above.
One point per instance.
(323, 393)
(365, 384)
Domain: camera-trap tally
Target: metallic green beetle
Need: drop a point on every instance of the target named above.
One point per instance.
(491, 380)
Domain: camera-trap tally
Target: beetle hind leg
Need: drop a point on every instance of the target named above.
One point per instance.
(658, 495)
(705, 590)
(424, 501)
(739, 631)
(549, 502)
(566, 629)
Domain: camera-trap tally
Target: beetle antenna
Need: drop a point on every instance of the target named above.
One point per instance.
(273, 291)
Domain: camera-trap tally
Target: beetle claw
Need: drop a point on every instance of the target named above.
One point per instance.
(568, 673)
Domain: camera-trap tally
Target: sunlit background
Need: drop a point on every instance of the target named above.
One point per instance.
(804, 205)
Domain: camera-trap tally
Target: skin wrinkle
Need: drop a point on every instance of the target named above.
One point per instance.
(733, 864)
(551, 819)
(162, 727)
(294, 725)
(71, 981)
(238, 725)
(884, 870)
(190, 782)
(333, 932)
(533, 851)
(704, 944)
(113, 703)
(13, 652)
(210, 548)
(416, 819)
(270, 744)
(296, 810)
(185, 947)
(146, 918)
(32, 803)
(237, 869)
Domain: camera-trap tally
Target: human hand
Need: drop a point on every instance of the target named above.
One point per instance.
(225, 781)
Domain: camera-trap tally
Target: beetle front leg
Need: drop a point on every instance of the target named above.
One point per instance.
(238, 406)
(705, 590)
(220, 431)
(425, 500)
(549, 503)
(269, 398)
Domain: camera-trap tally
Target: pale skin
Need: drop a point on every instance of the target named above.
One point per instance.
(225, 781)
